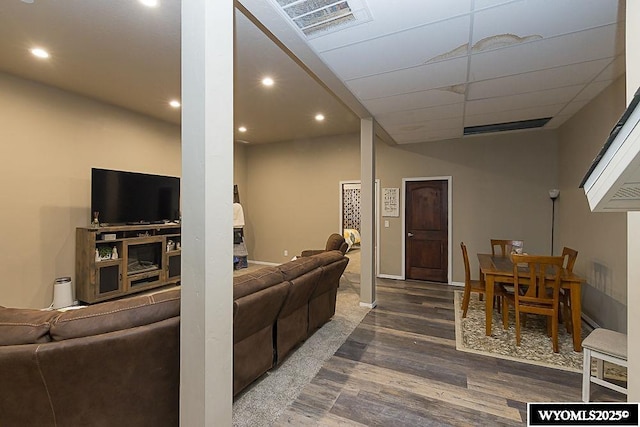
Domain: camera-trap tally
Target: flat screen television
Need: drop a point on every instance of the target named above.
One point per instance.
(122, 197)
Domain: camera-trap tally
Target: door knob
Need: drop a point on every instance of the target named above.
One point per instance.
(410, 234)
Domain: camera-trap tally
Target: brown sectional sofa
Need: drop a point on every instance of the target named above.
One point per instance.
(114, 363)
(257, 299)
(118, 362)
(335, 242)
(322, 305)
(276, 308)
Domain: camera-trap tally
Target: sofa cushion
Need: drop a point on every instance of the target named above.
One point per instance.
(298, 267)
(255, 281)
(116, 315)
(326, 258)
(25, 326)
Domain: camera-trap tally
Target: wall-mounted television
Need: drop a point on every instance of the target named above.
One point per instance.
(122, 197)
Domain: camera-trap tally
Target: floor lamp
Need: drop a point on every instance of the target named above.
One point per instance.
(553, 194)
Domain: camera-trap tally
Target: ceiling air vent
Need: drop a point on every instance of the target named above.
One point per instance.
(318, 17)
(502, 127)
(628, 191)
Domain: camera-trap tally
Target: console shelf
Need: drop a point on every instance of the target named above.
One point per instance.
(148, 256)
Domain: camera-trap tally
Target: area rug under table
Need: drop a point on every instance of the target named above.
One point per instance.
(535, 346)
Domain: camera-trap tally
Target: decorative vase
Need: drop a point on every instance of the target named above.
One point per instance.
(95, 223)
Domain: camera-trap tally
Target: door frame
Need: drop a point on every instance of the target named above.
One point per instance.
(376, 213)
(403, 208)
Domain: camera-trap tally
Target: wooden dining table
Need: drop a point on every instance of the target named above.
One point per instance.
(499, 269)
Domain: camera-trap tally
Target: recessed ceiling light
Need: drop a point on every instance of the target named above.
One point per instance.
(149, 3)
(175, 103)
(267, 81)
(28, 1)
(242, 129)
(40, 53)
(319, 117)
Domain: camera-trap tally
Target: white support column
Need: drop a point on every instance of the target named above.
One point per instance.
(632, 56)
(633, 314)
(367, 213)
(207, 180)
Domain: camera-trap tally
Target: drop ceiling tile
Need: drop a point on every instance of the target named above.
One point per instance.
(592, 90)
(431, 76)
(573, 107)
(520, 101)
(400, 50)
(484, 4)
(426, 125)
(422, 115)
(428, 136)
(559, 51)
(512, 115)
(544, 18)
(413, 100)
(557, 121)
(389, 17)
(537, 80)
(614, 70)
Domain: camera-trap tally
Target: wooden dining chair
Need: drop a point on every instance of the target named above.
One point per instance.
(477, 286)
(569, 255)
(505, 246)
(536, 290)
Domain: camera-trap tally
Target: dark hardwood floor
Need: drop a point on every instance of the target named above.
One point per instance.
(400, 367)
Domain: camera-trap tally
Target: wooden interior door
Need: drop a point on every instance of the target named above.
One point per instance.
(427, 230)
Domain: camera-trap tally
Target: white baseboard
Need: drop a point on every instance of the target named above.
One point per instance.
(262, 262)
(389, 276)
(372, 305)
(589, 321)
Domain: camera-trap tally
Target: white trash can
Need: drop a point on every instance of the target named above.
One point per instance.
(62, 293)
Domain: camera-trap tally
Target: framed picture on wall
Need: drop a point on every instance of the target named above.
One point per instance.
(390, 202)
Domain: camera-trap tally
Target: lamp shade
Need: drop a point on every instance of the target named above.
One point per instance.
(554, 193)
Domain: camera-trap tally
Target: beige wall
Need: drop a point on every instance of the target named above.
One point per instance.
(600, 238)
(293, 194)
(50, 141)
(500, 189)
